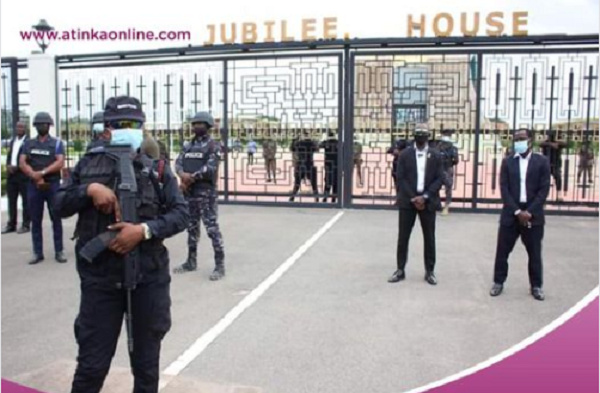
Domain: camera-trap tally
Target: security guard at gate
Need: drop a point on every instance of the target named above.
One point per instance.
(100, 134)
(449, 155)
(162, 211)
(197, 167)
(42, 160)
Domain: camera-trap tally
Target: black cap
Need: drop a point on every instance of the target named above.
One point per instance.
(447, 131)
(123, 108)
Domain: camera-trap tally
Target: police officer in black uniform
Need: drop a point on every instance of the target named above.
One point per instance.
(330, 146)
(304, 165)
(162, 212)
(197, 166)
(449, 155)
(42, 159)
(100, 134)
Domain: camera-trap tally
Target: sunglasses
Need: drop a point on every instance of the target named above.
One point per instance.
(120, 124)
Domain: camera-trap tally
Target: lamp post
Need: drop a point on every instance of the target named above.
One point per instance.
(41, 39)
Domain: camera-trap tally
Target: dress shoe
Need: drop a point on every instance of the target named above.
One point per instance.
(496, 289)
(36, 259)
(60, 257)
(538, 293)
(430, 278)
(8, 229)
(23, 229)
(398, 275)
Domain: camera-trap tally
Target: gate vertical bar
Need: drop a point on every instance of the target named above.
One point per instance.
(569, 131)
(168, 105)
(181, 113)
(340, 131)
(14, 94)
(225, 133)
(587, 133)
(346, 156)
(477, 132)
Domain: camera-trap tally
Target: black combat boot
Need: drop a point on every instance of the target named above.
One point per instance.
(189, 265)
(219, 271)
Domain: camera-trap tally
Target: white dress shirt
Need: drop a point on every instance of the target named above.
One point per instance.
(421, 164)
(14, 157)
(523, 164)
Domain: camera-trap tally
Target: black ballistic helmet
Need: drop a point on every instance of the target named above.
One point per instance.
(43, 118)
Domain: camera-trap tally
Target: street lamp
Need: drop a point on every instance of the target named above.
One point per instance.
(41, 39)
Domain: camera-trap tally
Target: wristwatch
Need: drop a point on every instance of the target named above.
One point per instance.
(43, 172)
(147, 231)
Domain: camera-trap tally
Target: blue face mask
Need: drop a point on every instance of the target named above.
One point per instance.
(127, 136)
(97, 128)
(521, 146)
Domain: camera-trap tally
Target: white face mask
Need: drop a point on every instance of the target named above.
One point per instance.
(127, 136)
(446, 138)
(97, 128)
(521, 146)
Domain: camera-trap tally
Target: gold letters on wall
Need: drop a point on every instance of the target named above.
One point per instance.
(443, 24)
(469, 25)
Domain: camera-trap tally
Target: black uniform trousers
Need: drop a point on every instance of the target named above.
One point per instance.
(36, 199)
(407, 218)
(99, 324)
(302, 172)
(16, 184)
(531, 239)
(331, 178)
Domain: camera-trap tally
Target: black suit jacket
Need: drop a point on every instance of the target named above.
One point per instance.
(537, 183)
(18, 173)
(407, 178)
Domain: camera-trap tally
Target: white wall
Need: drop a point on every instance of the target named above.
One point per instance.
(42, 88)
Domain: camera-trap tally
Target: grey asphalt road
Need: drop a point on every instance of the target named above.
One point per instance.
(330, 324)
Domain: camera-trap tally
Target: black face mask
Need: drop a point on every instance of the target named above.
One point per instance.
(421, 139)
(43, 131)
(200, 131)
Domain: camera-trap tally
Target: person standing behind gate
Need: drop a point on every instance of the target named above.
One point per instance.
(42, 160)
(552, 149)
(16, 183)
(251, 150)
(524, 187)
(586, 163)
(399, 145)
(330, 146)
(269, 151)
(357, 160)
(449, 154)
(197, 166)
(100, 133)
(420, 177)
(304, 167)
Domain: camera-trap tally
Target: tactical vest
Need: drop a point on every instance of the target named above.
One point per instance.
(195, 157)
(103, 168)
(43, 154)
(447, 153)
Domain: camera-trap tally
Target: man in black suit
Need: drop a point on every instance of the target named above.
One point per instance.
(16, 183)
(524, 186)
(420, 177)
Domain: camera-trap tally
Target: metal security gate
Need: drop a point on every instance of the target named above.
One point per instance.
(484, 97)
(14, 97)
(368, 93)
